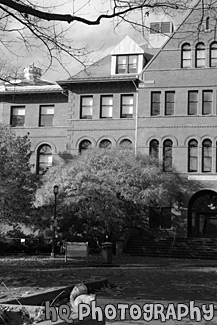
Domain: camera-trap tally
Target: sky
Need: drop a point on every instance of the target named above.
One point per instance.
(99, 39)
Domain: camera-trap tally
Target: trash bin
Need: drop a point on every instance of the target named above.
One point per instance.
(107, 252)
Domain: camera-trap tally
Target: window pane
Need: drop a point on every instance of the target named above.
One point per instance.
(213, 55)
(192, 102)
(46, 115)
(127, 99)
(207, 156)
(47, 110)
(87, 101)
(207, 102)
(19, 111)
(167, 155)
(200, 55)
(155, 103)
(87, 112)
(126, 143)
(186, 63)
(193, 163)
(106, 106)
(106, 111)
(207, 164)
(193, 96)
(127, 106)
(132, 64)
(44, 159)
(84, 145)
(154, 149)
(46, 120)
(87, 107)
(193, 156)
(121, 64)
(107, 100)
(169, 105)
(207, 108)
(186, 56)
(17, 116)
(122, 59)
(105, 144)
(155, 27)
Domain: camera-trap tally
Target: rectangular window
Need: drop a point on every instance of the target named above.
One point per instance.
(206, 156)
(127, 64)
(155, 103)
(127, 106)
(161, 27)
(17, 116)
(192, 102)
(169, 102)
(106, 106)
(207, 102)
(46, 115)
(193, 159)
(86, 107)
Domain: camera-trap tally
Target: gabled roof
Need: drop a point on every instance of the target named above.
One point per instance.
(101, 70)
(177, 31)
(127, 46)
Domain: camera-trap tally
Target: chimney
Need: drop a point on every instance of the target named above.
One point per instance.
(32, 73)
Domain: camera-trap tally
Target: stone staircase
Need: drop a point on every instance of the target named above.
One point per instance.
(200, 248)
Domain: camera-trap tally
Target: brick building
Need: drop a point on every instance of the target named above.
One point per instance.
(177, 115)
(38, 108)
(103, 99)
(161, 103)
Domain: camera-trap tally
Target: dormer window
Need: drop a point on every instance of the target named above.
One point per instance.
(127, 64)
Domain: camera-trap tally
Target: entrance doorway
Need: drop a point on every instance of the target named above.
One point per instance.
(202, 215)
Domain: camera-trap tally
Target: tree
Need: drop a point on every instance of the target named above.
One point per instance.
(104, 192)
(17, 183)
(27, 21)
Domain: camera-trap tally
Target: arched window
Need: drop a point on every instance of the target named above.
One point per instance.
(126, 143)
(154, 149)
(206, 156)
(207, 23)
(105, 144)
(167, 155)
(200, 55)
(44, 159)
(84, 145)
(202, 214)
(193, 156)
(213, 54)
(186, 55)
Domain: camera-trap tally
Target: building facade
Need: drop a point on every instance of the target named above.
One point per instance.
(177, 117)
(162, 103)
(37, 108)
(103, 100)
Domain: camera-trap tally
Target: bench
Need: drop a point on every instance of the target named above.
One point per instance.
(76, 249)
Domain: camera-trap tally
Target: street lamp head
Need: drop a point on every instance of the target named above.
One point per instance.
(56, 189)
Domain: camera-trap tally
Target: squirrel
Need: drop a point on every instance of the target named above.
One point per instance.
(79, 295)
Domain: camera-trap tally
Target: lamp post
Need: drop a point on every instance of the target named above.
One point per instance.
(55, 191)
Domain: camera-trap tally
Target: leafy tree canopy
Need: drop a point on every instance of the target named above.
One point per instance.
(17, 183)
(106, 191)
